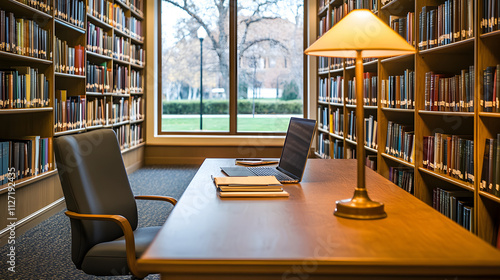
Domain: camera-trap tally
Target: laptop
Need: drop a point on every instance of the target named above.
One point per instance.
(293, 156)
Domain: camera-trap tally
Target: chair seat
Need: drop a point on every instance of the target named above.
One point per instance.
(103, 256)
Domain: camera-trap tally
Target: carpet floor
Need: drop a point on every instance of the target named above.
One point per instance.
(44, 252)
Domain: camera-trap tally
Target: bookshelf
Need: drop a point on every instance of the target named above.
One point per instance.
(86, 37)
(461, 57)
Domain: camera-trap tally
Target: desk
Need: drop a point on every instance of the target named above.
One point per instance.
(206, 237)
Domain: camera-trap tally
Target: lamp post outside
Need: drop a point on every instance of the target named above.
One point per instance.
(201, 35)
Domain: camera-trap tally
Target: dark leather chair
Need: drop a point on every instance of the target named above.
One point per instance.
(101, 206)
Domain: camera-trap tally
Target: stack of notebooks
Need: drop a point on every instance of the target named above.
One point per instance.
(252, 186)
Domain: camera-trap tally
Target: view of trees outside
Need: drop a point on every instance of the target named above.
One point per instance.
(269, 43)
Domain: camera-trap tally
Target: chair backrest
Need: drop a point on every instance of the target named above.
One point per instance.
(94, 181)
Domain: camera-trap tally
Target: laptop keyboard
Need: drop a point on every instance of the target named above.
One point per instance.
(271, 171)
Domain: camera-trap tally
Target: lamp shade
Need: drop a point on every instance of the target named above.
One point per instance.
(360, 30)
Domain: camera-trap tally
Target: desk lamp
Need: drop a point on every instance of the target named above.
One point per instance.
(360, 34)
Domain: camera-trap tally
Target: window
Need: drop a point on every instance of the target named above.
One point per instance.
(195, 62)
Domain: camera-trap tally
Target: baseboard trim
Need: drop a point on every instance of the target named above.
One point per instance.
(134, 167)
(174, 160)
(33, 220)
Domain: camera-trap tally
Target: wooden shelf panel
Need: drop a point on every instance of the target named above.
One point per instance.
(493, 34)
(489, 115)
(371, 149)
(137, 121)
(28, 180)
(399, 59)
(94, 127)
(366, 107)
(490, 196)
(453, 48)
(398, 160)
(336, 70)
(133, 148)
(399, 7)
(136, 41)
(398, 110)
(351, 141)
(99, 22)
(24, 10)
(323, 130)
(336, 136)
(120, 123)
(123, 4)
(72, 131)
(121, 33)
(100, 56)
(65, 75)
(16, 57)
(136, 66)
(25, 110)
(69, 26)
(121, 61)
(137, 13)
(323, 10)
(98, 94)
(448, 179)
(119, 95)
(443, 113)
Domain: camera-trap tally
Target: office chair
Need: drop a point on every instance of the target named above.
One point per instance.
(101, 206)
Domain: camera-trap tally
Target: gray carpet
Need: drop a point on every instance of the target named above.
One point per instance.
(44, 252)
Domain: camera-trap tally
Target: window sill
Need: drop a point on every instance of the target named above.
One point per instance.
(216, 140)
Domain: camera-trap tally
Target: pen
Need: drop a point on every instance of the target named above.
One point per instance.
(249, 159)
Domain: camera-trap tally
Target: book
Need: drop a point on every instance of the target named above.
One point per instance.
(24, 36)
(252, 186)
(255, 162)
(449, 22)
(255, 194)
(449, 93)
(257, 181)
(369, 90)
(496, 187)
(23, 87)
(71, 11)
(403, 177)
(399, 140)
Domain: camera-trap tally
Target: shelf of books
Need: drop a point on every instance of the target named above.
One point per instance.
(68, 67)
(431, 119)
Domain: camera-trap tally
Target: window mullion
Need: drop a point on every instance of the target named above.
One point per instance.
(233, 67)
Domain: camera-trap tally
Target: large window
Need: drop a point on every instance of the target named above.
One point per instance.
(195, 65)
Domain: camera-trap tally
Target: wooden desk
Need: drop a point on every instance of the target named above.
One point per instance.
(206, 237)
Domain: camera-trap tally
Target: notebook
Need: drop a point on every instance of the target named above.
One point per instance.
(293, 155)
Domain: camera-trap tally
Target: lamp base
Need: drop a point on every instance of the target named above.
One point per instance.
(360, 207)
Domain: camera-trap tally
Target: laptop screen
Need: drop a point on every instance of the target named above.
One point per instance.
(297, 143)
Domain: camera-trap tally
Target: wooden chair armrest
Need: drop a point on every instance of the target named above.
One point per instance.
(127, 232)
(157, 197)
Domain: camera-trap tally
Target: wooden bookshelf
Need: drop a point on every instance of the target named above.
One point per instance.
(44, 188)
(479, 51)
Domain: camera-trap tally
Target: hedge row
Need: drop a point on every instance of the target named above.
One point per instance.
(215, 107)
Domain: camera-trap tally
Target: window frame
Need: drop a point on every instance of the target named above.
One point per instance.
(233, 79)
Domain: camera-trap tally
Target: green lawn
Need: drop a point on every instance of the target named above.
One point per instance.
(218, 123)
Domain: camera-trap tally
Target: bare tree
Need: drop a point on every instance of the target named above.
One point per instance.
(213, 15)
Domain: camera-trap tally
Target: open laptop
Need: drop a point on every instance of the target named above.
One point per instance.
(293, 156)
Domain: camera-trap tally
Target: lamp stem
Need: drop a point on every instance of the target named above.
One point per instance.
(360, 206)
(360, 120)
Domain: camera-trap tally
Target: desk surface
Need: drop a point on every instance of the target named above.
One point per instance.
(206, 235)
